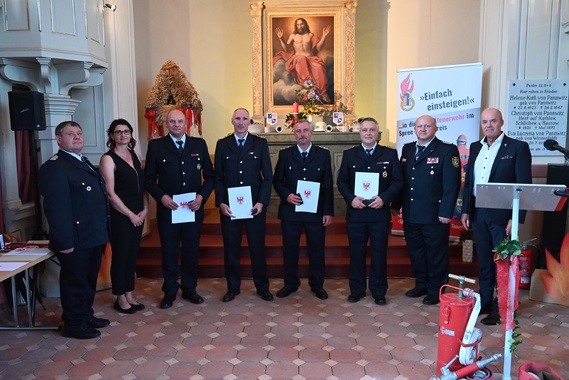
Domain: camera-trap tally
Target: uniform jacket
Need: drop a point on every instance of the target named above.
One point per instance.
(291, 168)
(383, 161)
(250, 166)
(75, 203)
(169, 173)
(512, 165)
(432, 182)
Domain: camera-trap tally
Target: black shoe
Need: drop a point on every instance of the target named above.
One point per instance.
(353, 298)
(265, 295)
(130, 310)
(230, 296)
(86, 333)
(287, 291)
(98, 323)
(192, 296)
(138, 306)
(167, 301)
(492, 319)
(380, 300)
(319, 292)
(431, 300)
(486, 310)
(416, 292)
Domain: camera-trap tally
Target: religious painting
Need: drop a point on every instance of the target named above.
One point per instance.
(302, 57)
(299, 46)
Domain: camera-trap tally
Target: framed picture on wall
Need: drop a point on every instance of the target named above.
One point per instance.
(297, 45)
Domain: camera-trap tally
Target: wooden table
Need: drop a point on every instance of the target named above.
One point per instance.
(31, 262)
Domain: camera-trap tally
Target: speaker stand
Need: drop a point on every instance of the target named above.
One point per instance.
(39, 233)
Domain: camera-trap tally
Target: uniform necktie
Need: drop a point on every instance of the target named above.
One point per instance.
(180, 147)
(420, 149)
(86, 161)
(368, 152)
(240, 143)
(304, 154)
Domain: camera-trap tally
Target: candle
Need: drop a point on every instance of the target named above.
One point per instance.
(295, 107)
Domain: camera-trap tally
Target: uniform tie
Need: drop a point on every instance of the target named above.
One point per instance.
(180, 147)
(304, 154)
(86, 161)
(240, 141)
(368, 152)
(420, 149)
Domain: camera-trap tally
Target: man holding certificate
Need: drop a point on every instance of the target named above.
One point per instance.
(243, 178)
(369, 179)
(179, 176)
(303, 181)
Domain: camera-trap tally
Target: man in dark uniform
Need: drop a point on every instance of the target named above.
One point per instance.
(242, 159)
(496, 158)
(77, 211)
(304, 162)
(179, 164)
(369, 217)
(431, 170)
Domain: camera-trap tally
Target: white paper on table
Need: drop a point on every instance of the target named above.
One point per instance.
(8, 266)
(240, 202)
(183, 214)
(366, 184)
(28, 251)
(309, 191)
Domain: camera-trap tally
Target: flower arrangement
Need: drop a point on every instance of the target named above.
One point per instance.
(310, 98)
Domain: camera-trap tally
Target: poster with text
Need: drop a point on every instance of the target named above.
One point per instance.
(451, 95)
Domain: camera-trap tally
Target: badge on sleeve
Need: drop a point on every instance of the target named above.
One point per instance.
(455, 161)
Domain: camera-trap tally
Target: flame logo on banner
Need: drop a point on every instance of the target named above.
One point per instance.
(407, 86)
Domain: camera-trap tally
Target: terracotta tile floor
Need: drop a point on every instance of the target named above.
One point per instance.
(299, 337)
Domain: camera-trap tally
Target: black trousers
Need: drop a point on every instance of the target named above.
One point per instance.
(315, 234)
(487, 235)
(125, 242)
(358, 236)
(232, 231)
(77, 285)
(170, 237)
(428, 250)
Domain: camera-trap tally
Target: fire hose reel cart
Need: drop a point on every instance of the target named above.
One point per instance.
(457, 334)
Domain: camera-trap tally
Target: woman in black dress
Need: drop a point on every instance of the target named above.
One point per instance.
(124, 176)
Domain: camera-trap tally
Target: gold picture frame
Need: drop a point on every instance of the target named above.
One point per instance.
(279, 71)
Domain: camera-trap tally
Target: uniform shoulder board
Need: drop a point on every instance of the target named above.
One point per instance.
(54, 157)
(411, 142)
(446, 142)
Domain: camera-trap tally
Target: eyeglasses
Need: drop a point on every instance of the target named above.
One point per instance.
(125, 132)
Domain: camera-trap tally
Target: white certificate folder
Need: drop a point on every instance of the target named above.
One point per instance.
(366, 184)
(240, 202)
(183, 214)
(309, 192)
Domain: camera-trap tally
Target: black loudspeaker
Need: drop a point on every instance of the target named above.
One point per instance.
(27, 111)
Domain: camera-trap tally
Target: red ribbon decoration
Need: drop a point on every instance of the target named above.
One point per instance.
(507, 271)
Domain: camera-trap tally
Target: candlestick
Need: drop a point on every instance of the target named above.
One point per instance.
(295, 107)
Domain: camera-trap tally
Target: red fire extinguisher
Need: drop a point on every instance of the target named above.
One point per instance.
(455, 310)
(527, 264)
